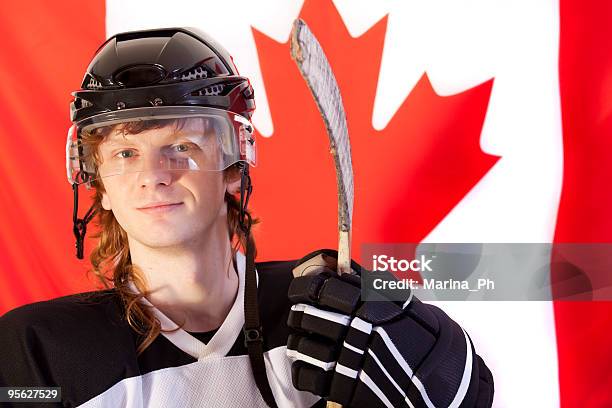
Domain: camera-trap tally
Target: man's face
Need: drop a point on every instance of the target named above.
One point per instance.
(156, 200)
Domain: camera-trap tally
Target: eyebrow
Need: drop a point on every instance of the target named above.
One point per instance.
(121, 139)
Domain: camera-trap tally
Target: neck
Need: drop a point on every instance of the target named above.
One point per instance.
(194, 283)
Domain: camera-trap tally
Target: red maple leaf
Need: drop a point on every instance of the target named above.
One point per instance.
(408, 176)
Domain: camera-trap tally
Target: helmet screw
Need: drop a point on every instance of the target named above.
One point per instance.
(120, 105)
(157, 102)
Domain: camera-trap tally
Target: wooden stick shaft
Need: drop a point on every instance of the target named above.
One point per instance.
(344, 266)
(344, 252)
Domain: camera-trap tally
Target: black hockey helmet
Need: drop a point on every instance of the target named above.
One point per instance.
(162, 67)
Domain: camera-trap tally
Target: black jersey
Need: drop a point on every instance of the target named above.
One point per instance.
(83, 344)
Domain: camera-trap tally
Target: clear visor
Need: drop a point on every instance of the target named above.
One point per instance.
(160, 138)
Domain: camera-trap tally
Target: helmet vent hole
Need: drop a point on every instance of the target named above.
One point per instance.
(212, 90)
(195, 73)
(93, 84)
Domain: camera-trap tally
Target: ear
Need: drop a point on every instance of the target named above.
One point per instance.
(233, 185)
(232, 180)
(106, 202)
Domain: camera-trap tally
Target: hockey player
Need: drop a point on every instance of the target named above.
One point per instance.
(161, 132)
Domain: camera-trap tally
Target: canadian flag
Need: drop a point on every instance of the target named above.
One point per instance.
(471, 121)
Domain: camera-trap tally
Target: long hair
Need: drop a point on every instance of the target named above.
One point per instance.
(110, 259)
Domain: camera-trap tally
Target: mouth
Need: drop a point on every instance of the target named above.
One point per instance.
(159, 207)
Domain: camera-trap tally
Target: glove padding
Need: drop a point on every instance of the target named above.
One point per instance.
(379, 353)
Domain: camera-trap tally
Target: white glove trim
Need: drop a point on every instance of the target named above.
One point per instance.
(361, 325)
(400, 360)
(296, 355)
(353, 348)
(370, 384)
(396, 385)
(467, 374)
(344, 370)
(322, 314)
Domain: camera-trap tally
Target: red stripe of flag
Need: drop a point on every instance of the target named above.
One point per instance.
(44, 50)
(584, 330)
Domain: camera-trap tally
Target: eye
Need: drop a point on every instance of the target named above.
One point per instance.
(181, 148)
(126, 154)
(186, 147)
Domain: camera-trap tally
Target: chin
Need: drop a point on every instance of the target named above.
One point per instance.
(165, 241)
(165, 234)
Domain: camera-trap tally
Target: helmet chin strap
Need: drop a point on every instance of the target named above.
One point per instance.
(253, 332)
(246, 188)
(79, 225)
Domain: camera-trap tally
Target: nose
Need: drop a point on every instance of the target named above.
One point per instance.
(154, 177)
(155, 174)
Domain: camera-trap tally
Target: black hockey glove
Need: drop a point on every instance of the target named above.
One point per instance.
(378, 353)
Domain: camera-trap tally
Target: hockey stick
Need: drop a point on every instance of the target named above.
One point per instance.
(314, 67)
